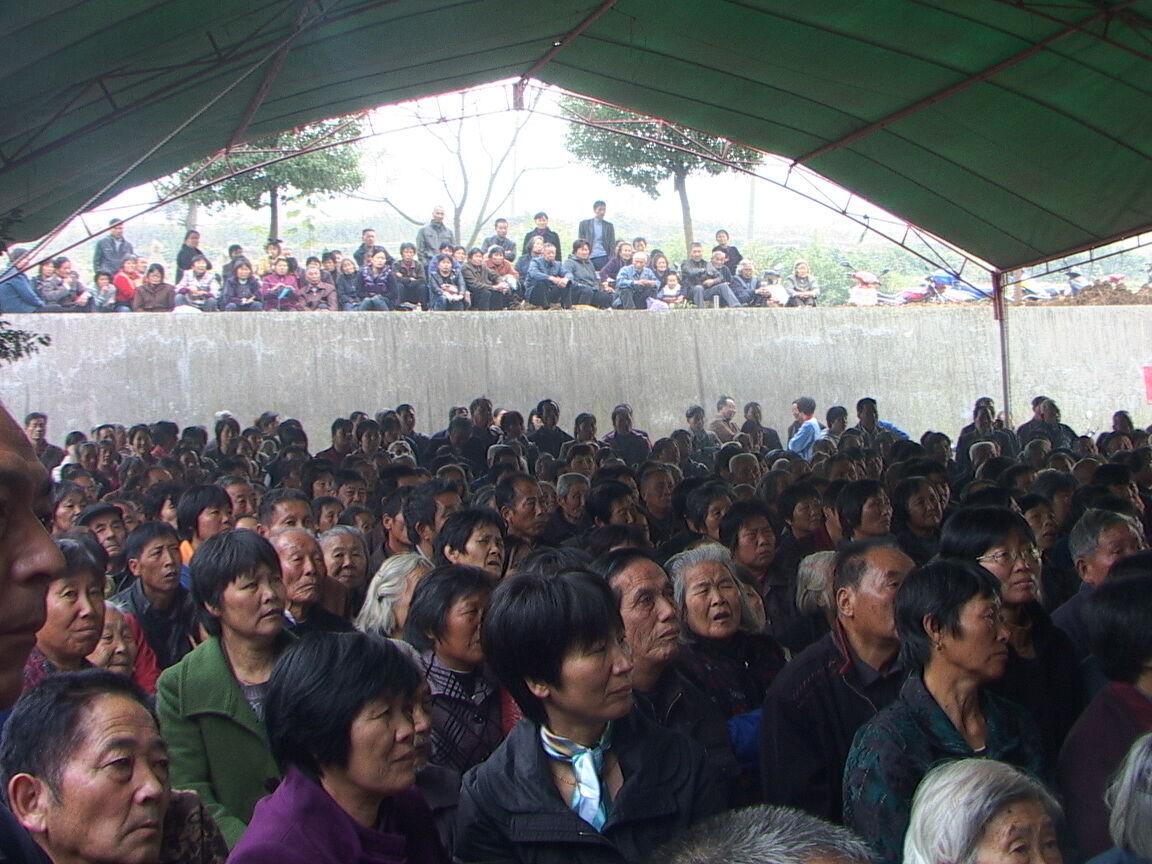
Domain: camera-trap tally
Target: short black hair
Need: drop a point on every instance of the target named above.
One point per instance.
(805, 405)
(938, 590)
(698, 500)
(851, 500)
(79, 557)
(614, 562)
(274, 497)
(602, 497)
(194, 501)
(546, 560)
(1118, 624)
(458, 527)
(160, 494)
(852, 560)
(506, 492)
(435, 595)
(420, 505)
(46, 726)
(739, 513)
(535, 620)
(219, 562)
(319, 685)
(969, 533)
(145, 533)
(793, 495)
(318, 504)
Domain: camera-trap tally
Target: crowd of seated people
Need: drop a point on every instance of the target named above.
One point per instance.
(433, 272)
(508, 640)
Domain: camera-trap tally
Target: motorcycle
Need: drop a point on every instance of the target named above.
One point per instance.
(865, 288)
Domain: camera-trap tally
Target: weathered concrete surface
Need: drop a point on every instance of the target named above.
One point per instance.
(925, 365)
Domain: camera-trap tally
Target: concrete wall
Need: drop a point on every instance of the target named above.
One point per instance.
(925, 365)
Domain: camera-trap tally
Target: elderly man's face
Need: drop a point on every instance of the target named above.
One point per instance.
(109, 801)
(1112, 544)
(651, 625)
(301, 567)
(29, 559)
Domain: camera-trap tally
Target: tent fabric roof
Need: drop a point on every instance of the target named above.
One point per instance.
(1018, 130)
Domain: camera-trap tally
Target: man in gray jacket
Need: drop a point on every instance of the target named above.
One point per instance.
(432, 236)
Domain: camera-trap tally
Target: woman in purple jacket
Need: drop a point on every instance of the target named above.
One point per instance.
(342, 718)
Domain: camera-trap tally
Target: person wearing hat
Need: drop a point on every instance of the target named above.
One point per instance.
(16, 294)
(105, 522)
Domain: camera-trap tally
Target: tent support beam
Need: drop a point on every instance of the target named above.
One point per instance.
(959, 87)
(557, 46)
(999, 311)
(270, 76)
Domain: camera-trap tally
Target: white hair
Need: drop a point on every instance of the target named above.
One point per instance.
(955, 803)
(678, 566)
(377, 616)
(765, 835)
(1130, 799)
(814, 582)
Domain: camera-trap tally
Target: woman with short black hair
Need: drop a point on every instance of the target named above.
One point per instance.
(474, 537)
(444, 625)
(211, 703)
(864, 509)
(1043, 673)
(341, 725)
(954, 640)
(582, 778)
(917, 512)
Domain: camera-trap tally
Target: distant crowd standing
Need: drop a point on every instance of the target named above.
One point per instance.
(431, 273)
(513, 640)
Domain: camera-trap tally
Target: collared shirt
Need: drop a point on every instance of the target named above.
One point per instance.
(465, 715)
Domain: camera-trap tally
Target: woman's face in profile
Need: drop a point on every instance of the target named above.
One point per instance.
(382, 751)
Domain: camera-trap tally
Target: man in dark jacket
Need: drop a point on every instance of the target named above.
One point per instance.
(652, 630)
(833, 687)
(111, 250)
(600, 235)
(155, 597)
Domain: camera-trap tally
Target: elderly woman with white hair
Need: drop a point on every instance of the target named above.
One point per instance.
(980, 811)
(1130, 800)
(732, 666)
(389, 594)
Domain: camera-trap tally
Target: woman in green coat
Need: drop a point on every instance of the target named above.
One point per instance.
(211, 703)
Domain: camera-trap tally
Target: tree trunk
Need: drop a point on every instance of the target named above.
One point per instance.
(191, 215)
(274, 206)
(685, 208)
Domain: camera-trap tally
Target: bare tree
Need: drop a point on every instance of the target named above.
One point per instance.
(476, 188)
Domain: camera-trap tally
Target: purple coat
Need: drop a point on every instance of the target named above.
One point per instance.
(300, 823)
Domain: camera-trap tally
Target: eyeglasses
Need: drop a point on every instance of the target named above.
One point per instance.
(1030, 556)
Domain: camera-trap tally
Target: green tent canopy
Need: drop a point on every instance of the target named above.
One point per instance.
(1018, 130)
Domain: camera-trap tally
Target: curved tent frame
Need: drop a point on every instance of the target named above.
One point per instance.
(1017, 129)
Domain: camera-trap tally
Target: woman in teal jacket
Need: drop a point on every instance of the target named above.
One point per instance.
(211, 703)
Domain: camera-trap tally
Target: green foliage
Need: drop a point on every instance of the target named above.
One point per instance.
(324, 173)
(647, 161)
(18, 344)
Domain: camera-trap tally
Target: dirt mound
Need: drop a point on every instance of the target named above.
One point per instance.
(1099, 295)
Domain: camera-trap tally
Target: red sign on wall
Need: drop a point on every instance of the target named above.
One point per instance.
(1148, 383)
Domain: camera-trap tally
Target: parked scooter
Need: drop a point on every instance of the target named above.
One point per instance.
(865, 288)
